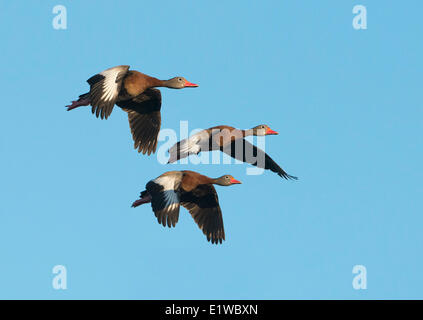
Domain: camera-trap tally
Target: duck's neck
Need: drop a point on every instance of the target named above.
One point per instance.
(247, 133)
(217, 181)
(206, 180)
(154, 82)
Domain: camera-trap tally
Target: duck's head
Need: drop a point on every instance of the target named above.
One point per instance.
(226, 180)
(263, 130)
(180, 83)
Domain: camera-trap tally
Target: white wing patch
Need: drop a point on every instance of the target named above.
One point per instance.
(110, 85)
(168, 182)
(104, 90)
(192, 145)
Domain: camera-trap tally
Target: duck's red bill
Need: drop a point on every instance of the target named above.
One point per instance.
(233, 181)
(270, 131)
(190, 84)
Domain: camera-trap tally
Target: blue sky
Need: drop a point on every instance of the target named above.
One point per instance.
(347, 104)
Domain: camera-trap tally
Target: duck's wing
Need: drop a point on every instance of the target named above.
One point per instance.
(203, 205)
(104, 90)
(192, 145)
(144, 119)
(165, 197)
(244, 151)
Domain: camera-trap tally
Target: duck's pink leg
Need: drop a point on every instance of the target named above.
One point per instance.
(141, 201)
(78, 103)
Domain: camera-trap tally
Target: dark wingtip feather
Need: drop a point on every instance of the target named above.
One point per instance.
(287, 176)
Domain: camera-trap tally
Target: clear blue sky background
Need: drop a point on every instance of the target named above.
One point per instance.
(347, 104)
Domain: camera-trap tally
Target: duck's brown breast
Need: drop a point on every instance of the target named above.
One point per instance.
(191, 180)
(136, 83)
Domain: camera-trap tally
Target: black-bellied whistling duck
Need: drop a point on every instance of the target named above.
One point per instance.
(193, 191)
(134, 92)
(230, 141)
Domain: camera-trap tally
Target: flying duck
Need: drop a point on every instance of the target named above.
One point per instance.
(230, 141)
(194, 192)
(135, 93)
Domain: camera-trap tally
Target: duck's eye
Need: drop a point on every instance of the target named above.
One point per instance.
(262, 127)
(180, 79)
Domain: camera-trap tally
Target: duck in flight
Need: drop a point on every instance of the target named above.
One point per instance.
(136, 94)
(195, 192)
(230, 141)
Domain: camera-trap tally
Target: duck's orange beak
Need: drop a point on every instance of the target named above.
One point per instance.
(233, 181)
(270, 131)
(190, 84)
